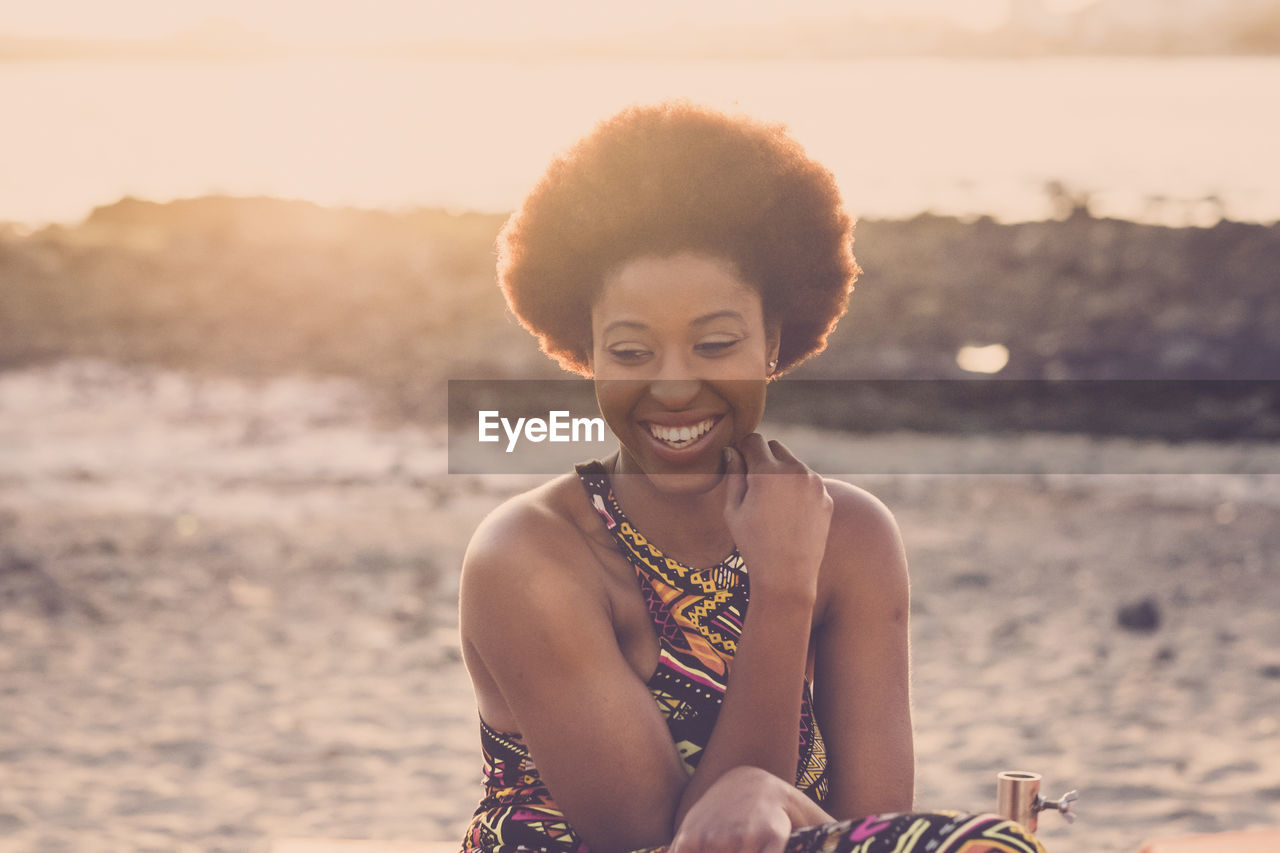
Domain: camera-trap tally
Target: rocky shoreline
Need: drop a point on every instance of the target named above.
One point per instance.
(255, 288)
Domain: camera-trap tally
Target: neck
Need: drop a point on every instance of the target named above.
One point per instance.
(688, 526)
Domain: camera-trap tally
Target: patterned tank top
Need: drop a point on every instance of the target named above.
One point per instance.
(698, 616)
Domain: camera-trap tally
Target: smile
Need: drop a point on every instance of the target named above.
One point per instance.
(681, 436)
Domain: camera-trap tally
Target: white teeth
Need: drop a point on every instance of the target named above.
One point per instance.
(681, 436)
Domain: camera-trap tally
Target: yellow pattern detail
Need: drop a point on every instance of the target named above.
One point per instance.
(817, 762)
(907, 840)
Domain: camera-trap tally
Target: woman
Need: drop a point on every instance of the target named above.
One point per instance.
(683, 259)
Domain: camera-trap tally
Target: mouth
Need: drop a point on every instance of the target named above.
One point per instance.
(682, 437)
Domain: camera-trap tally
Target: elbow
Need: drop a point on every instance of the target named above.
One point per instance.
(643, 825)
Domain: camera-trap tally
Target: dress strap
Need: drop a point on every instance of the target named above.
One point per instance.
(599, 491)
(648, 559)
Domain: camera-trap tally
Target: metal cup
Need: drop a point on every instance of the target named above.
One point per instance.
(1018, 796)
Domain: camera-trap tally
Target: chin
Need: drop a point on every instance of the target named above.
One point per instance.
(687, 476)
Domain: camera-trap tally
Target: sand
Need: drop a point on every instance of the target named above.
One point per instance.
(228, 615)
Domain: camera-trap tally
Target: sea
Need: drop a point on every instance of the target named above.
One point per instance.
(1179, 141)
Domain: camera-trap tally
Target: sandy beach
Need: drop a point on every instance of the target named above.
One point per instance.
(228, 615)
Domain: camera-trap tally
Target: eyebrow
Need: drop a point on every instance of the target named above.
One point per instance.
(624, 324)
(697, 321)
(717, 315)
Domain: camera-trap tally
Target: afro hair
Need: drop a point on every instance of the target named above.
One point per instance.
(656, 180)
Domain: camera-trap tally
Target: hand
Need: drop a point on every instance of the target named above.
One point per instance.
(745, 811)
(779, 513)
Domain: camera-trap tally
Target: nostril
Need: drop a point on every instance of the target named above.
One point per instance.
(670, 391)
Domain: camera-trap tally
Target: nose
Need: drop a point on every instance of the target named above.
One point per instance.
(674, 393)
(674, 385)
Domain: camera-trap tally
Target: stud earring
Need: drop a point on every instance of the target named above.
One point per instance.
(773, 365)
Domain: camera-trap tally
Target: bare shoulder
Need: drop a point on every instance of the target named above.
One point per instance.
(865, 554)
(522, 544)
(860, 520)
(529, 597)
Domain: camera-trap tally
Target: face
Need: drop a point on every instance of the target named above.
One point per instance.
(680, 354)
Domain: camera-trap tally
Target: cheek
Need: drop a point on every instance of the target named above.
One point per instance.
(748, 407)
(616, 399)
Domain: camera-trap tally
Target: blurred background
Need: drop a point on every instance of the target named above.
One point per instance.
(244, 245)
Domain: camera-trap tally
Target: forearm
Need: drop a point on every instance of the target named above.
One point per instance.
(759, 721)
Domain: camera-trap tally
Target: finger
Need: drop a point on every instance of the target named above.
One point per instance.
(755, 452)
(735, 474)
(686, 842)
(763, 840)
(780, 452)
(777, 838)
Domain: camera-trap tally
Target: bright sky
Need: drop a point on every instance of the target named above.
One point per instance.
(330, 21)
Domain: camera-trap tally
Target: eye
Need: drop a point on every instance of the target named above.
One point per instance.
(628, 354)
(716, 347)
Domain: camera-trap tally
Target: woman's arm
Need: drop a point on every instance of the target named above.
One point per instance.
(862, 690)
(779, 513)
(861, 678)
(535, 615)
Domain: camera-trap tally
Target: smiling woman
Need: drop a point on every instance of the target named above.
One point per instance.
(629, 697)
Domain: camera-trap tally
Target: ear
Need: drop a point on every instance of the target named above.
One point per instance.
(773, 339)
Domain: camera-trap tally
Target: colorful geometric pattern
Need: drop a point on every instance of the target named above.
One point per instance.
(517, 812)
(923, 832)
(698, 616)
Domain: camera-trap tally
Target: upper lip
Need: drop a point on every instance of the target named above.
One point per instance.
(679, 419)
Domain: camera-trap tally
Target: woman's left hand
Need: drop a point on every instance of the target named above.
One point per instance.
(743, 812)
(747, 810)
(779, 513)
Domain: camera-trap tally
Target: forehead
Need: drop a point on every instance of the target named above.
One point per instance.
(674, 290)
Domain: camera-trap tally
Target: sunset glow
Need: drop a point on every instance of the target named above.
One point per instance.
(396, 20)
(917, 105)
